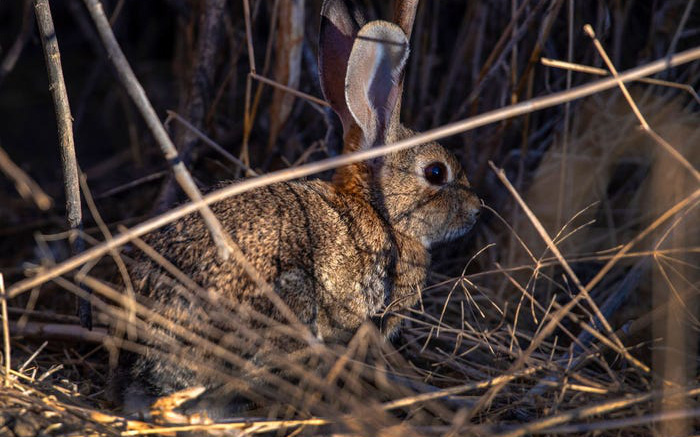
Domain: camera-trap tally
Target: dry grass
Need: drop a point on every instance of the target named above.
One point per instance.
(572, 308)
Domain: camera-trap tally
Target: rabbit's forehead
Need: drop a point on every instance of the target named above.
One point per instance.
(433, 152)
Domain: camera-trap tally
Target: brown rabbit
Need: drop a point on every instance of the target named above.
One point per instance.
(337, 253)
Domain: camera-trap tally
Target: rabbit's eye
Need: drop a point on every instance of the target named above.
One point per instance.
(435, 173)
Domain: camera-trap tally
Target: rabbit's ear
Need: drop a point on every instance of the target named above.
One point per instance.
(376, 62)
(339, 25)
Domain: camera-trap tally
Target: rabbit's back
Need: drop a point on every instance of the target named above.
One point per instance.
(332, 258)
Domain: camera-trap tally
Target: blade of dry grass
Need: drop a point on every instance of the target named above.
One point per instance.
(590, 410)
(25, 185)
(570, 66)
(209, 142)
(5, 332)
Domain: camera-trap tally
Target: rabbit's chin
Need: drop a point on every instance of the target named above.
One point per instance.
(450, 235)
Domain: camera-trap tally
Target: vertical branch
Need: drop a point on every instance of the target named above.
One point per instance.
(138, 95)
(5, 331)
(64, 121)
(404, 16)
(199, 92)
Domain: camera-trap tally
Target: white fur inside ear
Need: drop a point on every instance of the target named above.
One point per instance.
(376, 61)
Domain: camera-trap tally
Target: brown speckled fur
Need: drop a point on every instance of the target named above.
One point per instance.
(338, 253)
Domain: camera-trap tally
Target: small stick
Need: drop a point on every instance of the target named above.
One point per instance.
(456, 390)
(601, 72)
(247, 427)
(292, 91)
(404, 17)
(25, 185)
(198, 91)
(607, 406)
(249, 34)
(10, 59)
(57, 87)
(642, 121)
(5, 331)
(209, 142)
(64, 120)
(32, 357)
(60, 332)
(132, 184)
(138, 95)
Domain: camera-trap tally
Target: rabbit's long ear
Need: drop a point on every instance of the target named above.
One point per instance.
(376, 62)
(339, 26)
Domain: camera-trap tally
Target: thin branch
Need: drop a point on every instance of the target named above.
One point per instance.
(339, 161)
(5, 331)
(25, 185)
(209, 142)
(405, 15)
(249, 34)
(601, 72)
(64, 120)
(456, 390)
(10, 59)
(199, 88)
(589, 410)
(292, 91)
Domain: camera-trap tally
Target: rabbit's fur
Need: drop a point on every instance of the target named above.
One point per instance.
(337, 253)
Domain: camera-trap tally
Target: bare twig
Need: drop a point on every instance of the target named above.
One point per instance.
(60, 332)
(681, 26)
(25, 185)
(618, 424)
(331, 163)
(199, 88)
(249, 34)
(137, 94)
(64, 120)
(601, 72)
(132, 184)
(10, 59)
(209, 142)
(404, 16)
(589, 410)
(5, 331)
(292, 91)
(458, 389)
(245, 427)
(35, 354)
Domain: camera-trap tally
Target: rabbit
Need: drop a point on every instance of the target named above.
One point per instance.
(337, 252)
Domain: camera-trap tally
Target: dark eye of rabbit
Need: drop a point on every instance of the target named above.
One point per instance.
(435, 173)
